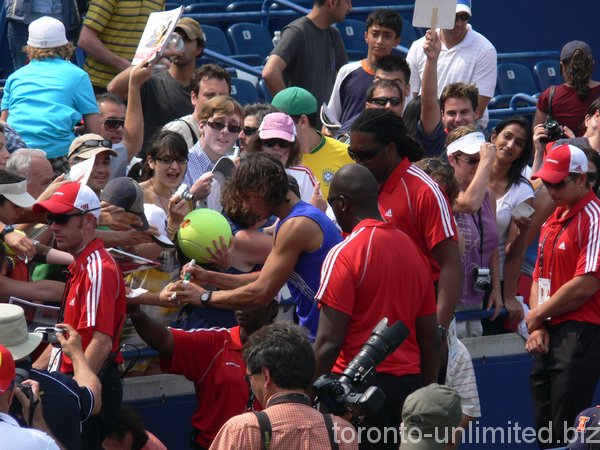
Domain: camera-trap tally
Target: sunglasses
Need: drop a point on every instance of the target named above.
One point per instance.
(169, 161)
(434, 164)
(366, 155)
(557, 186)
(221, 126)
(592, 177)
(463, 16)
(277, 142)
(93, 143)
(332, 200)
(62, 219)
(469, 161)
(113, 123)
(250, 131)
(383, 101)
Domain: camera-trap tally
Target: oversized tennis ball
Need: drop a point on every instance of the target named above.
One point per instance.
(198, 231)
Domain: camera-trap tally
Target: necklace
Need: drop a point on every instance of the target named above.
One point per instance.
(165, 209)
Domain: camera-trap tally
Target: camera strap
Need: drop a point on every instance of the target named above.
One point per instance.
(479, 226)
(550, 97)
(266, 432)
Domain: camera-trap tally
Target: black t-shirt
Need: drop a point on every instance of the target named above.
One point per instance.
(163, 99)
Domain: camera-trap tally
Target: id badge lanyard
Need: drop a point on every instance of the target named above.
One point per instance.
(545, 280)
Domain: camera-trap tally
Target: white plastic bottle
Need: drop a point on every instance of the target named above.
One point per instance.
(276, 38)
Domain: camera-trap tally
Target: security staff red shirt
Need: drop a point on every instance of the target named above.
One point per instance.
(569, 247)
(416, 205)
(377, 272)
(212, 359)
(94, 298)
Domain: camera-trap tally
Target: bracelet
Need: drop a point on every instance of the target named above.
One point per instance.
(171, 230)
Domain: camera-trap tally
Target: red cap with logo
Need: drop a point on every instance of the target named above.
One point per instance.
(7, 369)
(560, 161)
(70, 196)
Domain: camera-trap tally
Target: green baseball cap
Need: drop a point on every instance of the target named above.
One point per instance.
(295, 101)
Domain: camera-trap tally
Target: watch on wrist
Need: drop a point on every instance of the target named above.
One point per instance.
(205, 297)
(7, 229)
(443, 331)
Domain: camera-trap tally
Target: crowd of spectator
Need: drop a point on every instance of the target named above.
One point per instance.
(363, 190)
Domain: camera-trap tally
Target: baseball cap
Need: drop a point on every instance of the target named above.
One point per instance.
(570, 47)
(17, 193)
(70, 196)
(126, 193)
(190, 27)
(468, 144)
(464, 6)
(13, 331)
(277, 125)
(560, 161)
(586, 424)
(425, 410)
(88, 145)
(7, 369)
(47, 32)
(295, 101)
(158, 217)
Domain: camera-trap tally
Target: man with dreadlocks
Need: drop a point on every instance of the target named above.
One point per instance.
(411, 200)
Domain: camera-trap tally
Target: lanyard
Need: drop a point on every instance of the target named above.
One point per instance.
(564, 227)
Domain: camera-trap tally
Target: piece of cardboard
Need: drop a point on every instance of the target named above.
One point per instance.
(434, 14)
(156, 34)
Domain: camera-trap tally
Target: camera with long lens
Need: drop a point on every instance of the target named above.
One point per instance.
(554, 131)
(16, 408)
(342, 394)
(482, 279)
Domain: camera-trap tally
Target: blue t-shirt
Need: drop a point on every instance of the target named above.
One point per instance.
(46, 99)
(304, 281)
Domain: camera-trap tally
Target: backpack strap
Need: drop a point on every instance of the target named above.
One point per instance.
(265, 429)
(194, 138)
(329, 424)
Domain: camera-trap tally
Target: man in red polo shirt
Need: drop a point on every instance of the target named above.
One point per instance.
(377, 272)
(411, 200)
(564, 322)
(93, 301)
(212, 359)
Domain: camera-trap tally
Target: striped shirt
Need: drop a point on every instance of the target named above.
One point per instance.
(460, 376)
(119, 24)
(416, 205)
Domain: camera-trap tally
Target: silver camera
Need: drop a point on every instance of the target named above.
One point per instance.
(184, 192)
(482, 279)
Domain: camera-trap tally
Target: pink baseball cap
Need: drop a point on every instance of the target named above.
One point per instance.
(560, 161)
(279, 126)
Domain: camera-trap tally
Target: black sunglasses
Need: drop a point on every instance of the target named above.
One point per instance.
(220, 126)
(435, 164)
(113, 123)
(62, 219)
(557, 186)
(366, 155)
(382, 101)
(250, 131)
(92, 143)
(169, 161)
(463, 16)
(592, 177)
(279, 142)
(469, 161)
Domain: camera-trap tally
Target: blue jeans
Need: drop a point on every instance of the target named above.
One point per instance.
(17, 34)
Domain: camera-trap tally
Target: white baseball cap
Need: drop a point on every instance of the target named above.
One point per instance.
(47, 32)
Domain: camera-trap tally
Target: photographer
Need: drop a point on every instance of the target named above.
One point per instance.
(67, 401)
(279, 368)
(376, 272)
(14, 437)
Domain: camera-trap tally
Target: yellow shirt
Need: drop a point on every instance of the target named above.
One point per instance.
(325, 160)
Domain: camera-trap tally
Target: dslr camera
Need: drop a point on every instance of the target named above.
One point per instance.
(554, 130)
(482, 279)
(339, 395)
(184, 192)
(16, 409)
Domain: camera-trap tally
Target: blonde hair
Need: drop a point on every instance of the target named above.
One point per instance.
(64, 51)
(222, 105)
(459, 132)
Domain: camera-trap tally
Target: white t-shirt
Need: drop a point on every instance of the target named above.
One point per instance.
(17, 438)
(518, 193)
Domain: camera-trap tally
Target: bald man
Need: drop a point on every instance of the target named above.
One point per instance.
(376, 272)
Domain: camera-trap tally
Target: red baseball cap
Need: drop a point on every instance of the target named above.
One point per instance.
(7, 369)
(70, 196)
(560, 161)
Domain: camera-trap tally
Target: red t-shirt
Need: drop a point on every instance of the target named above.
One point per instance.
(212, 359)
(570, 251)
(378, 272)
(416, 205)
(94, 298)
(567, 108)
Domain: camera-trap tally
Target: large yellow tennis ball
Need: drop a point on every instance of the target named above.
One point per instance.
(198, 231)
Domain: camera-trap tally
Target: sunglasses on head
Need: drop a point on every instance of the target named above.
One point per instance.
(279, 142)
(382, 101)
(435, 164)
(113, 123)
(92, 143)
(250, 131)
(366, 155)
(61, 219)
(220, 126)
